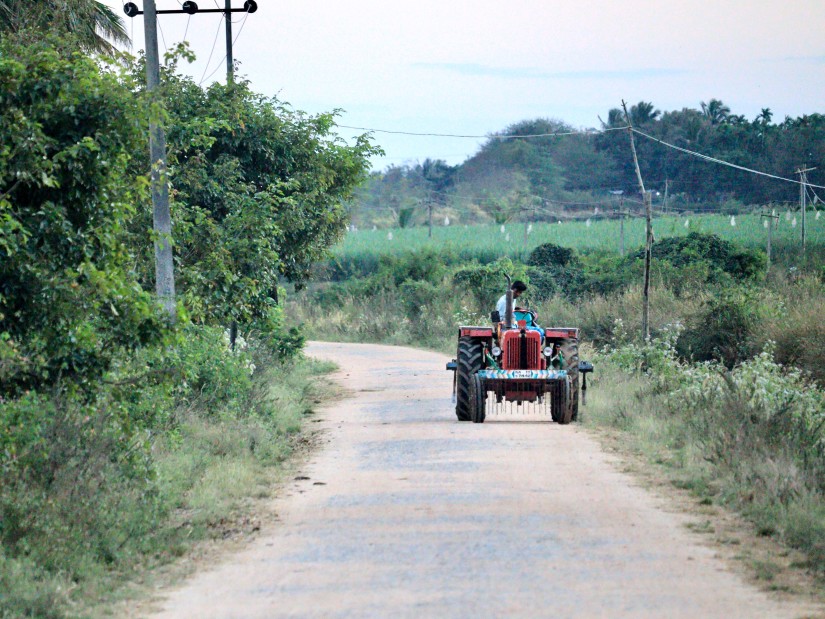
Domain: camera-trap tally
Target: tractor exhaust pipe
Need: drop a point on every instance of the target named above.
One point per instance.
(508, 313)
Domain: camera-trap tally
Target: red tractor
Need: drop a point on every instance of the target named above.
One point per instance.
(511, 364)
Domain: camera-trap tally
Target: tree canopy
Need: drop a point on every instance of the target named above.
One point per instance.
(538, 176)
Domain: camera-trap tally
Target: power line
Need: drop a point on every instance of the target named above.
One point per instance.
(235, 40)
(489, 136)
(214, 43)
(722, 162)
(163, 38)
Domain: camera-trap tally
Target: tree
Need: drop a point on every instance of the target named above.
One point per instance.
(258, 193)
(643, 113)
(69, 299)
(90, 22)
(715, 111)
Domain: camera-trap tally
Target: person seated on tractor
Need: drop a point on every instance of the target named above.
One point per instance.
(519, 313)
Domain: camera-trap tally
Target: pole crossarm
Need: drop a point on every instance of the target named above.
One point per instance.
(190, 8)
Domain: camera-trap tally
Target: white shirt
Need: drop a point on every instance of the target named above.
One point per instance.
(501, 306)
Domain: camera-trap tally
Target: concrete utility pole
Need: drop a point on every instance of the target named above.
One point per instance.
(230, 63)
(649, 230)
(164, 265)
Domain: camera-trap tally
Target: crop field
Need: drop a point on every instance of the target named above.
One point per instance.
(509, 239)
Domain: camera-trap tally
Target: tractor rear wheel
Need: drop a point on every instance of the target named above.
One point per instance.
(570, 349)
(478, 400)
(469, 360)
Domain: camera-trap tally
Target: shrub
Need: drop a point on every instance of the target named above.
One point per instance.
(726, 329)
(721, 256)
(548, 256)
(69, 299)
(542, 284)
(485, 284)
(423, 265)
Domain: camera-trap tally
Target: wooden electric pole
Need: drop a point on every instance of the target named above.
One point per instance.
(803, 198)
(621, 226)
(649, 230)
(769, 219)
(162, 219)
(664, 202)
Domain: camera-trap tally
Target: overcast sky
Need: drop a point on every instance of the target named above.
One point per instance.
(461, 67)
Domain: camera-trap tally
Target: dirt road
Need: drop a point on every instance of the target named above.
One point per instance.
(405, 512)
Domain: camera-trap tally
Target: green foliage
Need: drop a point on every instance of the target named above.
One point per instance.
(725, 329)
(68, 297)
(517, 178)
(751, 438)
(258, 191)
(549, 255)
(721, 256)
(87, 24)
(426, 265)
(276, 338)
(98, 392)
(486, 283)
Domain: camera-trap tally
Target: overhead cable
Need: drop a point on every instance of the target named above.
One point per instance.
(214, 43)
(235, 40)
(722, 162)
(490, 136)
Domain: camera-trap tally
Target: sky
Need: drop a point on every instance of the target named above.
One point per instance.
(473, 68)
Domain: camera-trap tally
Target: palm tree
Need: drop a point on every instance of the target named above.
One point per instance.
(643, 112)
(615, 118)
(93, 24)
(765, 116)
(715, 111)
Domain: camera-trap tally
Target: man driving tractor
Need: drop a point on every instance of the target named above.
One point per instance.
(519, 313)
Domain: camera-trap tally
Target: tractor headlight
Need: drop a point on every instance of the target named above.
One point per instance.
(496, 351)
(548, 351)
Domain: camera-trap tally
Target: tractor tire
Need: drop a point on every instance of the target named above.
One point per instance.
(570, 350)
(468, 360)
(555, 393)
(478, 400)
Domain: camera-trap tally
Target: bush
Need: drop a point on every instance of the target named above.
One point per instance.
(69, 298)
(721, 256)
(726, 329)
(485, 284)
(423, 265)
(549, 255)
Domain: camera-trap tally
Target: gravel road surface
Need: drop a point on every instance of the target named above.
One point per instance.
(405, 512)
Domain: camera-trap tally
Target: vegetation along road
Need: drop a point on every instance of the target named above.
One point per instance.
(403, 511)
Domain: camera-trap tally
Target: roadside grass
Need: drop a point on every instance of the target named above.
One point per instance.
(207, 470)
(767, 469)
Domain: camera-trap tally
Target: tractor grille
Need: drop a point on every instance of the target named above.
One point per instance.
(522, 351)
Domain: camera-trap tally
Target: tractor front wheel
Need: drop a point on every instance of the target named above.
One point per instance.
(555, 391)
(478, 399)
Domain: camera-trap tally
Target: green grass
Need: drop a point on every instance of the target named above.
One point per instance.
(600, 234)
